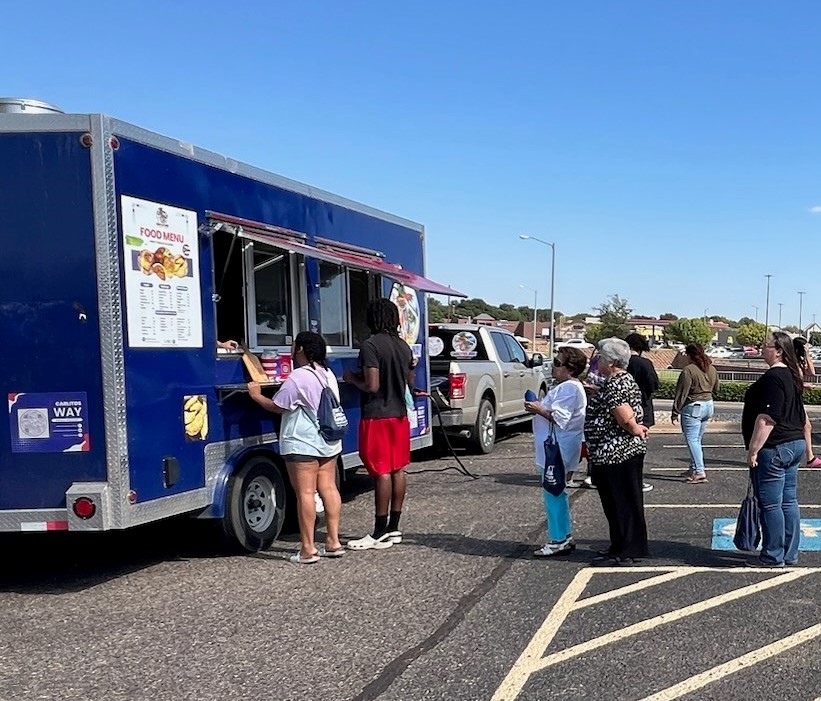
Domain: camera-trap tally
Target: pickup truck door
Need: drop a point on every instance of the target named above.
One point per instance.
(510, 382)
(521, 369)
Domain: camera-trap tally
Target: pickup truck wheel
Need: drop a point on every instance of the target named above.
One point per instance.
(484, 432)
(255, 505)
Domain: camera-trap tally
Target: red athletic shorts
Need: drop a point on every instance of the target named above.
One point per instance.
(384, 444)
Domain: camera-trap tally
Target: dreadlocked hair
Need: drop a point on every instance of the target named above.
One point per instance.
(314, 347)
(383, 317)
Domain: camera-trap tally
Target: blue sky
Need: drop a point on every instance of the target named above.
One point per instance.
(672, 150)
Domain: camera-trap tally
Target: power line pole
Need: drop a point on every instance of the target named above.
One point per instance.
(801, 311)
(767, 304)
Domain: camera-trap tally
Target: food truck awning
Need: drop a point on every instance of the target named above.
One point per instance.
(328, 251)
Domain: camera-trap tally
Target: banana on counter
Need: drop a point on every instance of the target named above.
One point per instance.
(195, 416)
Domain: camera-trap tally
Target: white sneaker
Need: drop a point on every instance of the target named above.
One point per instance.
(588, 482)
(394, 537)
(563, 547)
(370, 543)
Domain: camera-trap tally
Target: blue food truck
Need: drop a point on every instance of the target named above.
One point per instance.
(129, 259)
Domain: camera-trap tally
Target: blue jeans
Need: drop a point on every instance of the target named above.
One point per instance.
(694, 418)
(776, 486)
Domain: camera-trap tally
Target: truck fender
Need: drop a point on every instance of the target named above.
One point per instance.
(485, 384)
(232, 464)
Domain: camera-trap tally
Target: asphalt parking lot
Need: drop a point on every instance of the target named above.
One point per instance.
(459, 610)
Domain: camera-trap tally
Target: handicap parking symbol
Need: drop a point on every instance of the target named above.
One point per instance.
(724, 530)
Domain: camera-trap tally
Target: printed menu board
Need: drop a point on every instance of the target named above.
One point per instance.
(162, 275)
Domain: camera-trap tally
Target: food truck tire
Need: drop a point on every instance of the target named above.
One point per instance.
(255, 504)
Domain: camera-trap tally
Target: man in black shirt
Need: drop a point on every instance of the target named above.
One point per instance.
(385, 377)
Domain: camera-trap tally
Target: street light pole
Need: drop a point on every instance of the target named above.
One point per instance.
(780, 304)
(767, 305)
(526, 237)
(535, 310)
(801, 311)
(756, 312)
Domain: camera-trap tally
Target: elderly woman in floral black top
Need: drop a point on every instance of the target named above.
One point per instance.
(616, 446)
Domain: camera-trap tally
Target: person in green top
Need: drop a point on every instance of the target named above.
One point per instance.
(694, 404)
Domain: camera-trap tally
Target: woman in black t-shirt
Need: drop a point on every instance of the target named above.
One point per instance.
(772, 424)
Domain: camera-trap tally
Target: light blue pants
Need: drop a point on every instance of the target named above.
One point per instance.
(557, 512)
(694, 419)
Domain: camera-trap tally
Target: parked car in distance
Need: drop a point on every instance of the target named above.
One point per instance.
(719, 352)
(574, 343)
(479, 376)
(751, 352)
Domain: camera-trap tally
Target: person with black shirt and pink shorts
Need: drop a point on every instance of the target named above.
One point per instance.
(384, 379)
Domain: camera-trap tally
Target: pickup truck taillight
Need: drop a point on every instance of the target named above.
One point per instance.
(457, 385)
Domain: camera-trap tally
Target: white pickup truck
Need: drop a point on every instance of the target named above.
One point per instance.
(479, 376)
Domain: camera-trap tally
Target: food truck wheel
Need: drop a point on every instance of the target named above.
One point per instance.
(255, 504)
(484, 432)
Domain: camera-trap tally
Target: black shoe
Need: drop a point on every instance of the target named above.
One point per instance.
(765, 565)
(613, 561)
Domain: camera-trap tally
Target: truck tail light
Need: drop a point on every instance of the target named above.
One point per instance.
(457, 385)
(84, 508)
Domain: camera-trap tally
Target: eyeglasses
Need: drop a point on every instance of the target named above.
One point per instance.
(770, 345)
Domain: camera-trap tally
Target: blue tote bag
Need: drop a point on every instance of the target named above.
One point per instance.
(748, 526)
(554, 477)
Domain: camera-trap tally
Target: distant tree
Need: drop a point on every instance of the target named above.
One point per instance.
(544, 315)
(815, 338)
(581, 316)
(752, 334)
(437, 312)
(722, 319)
(792, 329)
(689, 331)
(613, 313)
(472, 307)
(667, 316)
(746, 321)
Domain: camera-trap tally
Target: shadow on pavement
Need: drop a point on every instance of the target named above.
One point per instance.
(60, 563)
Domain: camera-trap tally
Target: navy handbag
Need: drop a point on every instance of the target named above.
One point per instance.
(748, 526)
(554, 477)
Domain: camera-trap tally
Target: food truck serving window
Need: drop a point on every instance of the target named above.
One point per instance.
(333, 304)
(272, 317)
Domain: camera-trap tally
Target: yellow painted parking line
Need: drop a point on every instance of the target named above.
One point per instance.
(520, 672)
(736, 665)
(533, 660)
(631, 588)
(663, 619)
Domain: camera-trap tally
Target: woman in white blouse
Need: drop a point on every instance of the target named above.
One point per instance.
(562, 410)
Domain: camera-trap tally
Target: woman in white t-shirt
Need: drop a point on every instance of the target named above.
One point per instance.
(563, 411)
(310, 459)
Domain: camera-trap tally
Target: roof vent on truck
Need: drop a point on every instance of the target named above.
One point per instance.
(22, 105)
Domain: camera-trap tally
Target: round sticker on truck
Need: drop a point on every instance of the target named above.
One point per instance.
(435, 346)
(464, 345)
